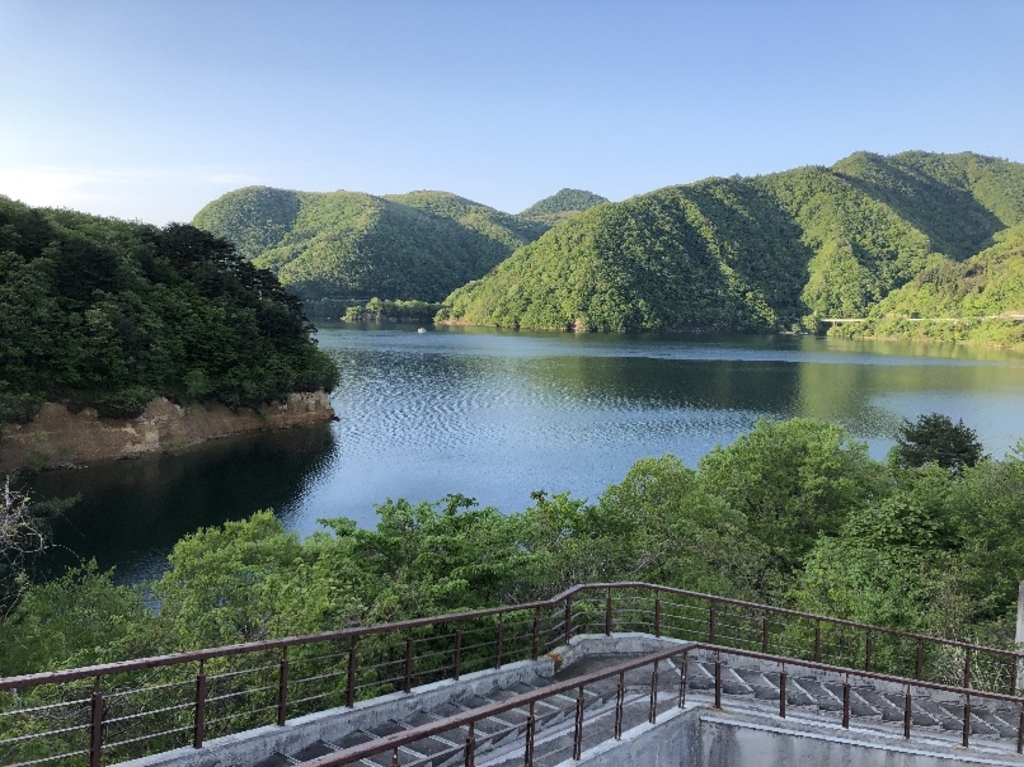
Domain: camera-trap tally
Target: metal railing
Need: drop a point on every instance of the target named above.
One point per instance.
(114, 712)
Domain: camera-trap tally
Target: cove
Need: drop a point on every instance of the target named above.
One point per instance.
(497, 415)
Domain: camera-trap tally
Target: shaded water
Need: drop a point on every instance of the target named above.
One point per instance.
(497, 415)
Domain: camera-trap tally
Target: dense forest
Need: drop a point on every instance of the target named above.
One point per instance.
(793, 513)
(869, 237)
(566, 203)
(104, 313)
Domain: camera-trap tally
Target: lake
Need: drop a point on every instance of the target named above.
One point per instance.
(496, 415)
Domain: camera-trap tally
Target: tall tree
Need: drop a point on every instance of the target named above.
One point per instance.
(934, 438)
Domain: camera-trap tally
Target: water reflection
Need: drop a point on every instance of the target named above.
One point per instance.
(132, 512)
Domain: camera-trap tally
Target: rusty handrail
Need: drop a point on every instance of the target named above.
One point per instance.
(596, 599)
(84, 672)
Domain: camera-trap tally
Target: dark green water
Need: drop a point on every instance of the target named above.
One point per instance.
(495, 416)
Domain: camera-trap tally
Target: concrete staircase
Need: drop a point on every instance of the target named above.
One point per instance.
(751, 688)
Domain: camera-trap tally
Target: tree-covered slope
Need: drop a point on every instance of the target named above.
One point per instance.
(348, 245)
(980, 299)
(105, 313)
(564, 204)
(752, 253)
(654, 261)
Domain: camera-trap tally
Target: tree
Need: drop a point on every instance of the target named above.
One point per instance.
(793, 480)
(665, 528)
(245, 581)
(22, 534)
(934, 438)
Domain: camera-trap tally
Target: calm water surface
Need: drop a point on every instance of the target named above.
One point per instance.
(495, 416)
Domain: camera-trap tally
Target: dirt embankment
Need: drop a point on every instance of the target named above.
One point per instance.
(57, 437)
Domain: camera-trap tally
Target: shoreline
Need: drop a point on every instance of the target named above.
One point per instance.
(57, 438)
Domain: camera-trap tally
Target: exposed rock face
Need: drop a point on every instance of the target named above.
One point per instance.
(57, 437)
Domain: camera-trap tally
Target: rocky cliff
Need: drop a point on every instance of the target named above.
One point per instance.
(57, 437)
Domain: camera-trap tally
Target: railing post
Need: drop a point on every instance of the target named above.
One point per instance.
(782, 693)
(1013, 675)
(712, 619)
(282, 689)
(620, 696)
(568, 619)
(458, 652)
(846, 704)
(350, 692)
(718, 682)
(1020, 731)
(682, 678)
(96, 739)
(967, 669)
(577, 735)
(608, 613)
(657, 616)
(499, 640)
(394, 758)
(471, 745)
(764, 634)
(199, 718)
(535, 648)
(967, 721)
(531, 723)
(652, 712)
(919, 661)
(907, 704)
(817, 641)
(407, 681)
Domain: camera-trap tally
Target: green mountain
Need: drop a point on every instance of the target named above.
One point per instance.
(562, 205)
(108, 314)
(338, 246)
(752, 254)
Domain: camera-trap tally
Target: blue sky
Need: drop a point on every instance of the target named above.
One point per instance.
(149, 109)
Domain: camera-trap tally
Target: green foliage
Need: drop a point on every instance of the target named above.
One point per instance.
(107, 314)
(246, 581)
(79, 619)
(990, 516)
(934, 438)
(793, 480)
(894, 561)
(377, 310)
(669, 529)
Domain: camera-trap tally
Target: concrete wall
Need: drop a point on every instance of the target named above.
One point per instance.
(727, 741)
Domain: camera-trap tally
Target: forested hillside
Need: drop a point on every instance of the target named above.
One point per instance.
(105, 313)
(332, 249)
(763, 253)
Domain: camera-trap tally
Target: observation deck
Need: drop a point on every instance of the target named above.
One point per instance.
(603, 674)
